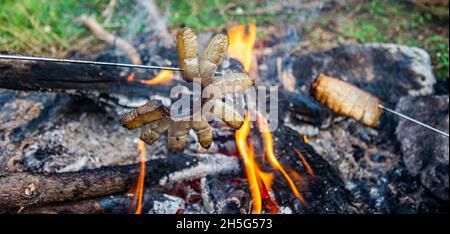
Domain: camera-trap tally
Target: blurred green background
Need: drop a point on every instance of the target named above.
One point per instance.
(45, 27)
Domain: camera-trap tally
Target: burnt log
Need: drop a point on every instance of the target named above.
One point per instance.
(322, 187)
(123, 203)
(26, 189)
(99, 83)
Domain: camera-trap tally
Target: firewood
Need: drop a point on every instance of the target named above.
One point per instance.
(122, 203)
(93, 82)
(27, 189)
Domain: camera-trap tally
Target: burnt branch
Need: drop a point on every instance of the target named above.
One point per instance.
(27, 189)
(112, 40)
(115, 204)
(48, 76)
(94, 82)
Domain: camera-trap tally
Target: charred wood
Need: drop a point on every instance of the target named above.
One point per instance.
(26, 189)
(123, 203)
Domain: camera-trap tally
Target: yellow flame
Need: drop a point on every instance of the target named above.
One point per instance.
(247, 156)
(242, 43)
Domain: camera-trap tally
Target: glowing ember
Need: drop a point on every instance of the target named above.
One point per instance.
(305, 163)
(305, 138)
(268, 145)
(130, 77)
(163, 77)
(139, 189)
(241, 44)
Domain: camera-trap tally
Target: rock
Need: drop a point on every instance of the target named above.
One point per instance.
(425, 153)
(388, 71)
(368, 159)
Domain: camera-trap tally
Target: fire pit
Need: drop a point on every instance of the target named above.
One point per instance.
(63, 149)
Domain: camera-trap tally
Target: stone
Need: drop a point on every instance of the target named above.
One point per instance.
(425, 153)
(388, 71)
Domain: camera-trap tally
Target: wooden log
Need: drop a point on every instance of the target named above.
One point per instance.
(48, 76)
(123, 203)
(27, 189)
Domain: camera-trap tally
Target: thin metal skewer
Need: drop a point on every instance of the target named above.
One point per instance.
(56, 60)
(413, 120)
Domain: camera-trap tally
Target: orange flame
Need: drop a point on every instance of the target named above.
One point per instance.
(163, 77)
(268, 145)
(130, 77)
(242, 43)
(260, 182)
(264, 180)
(305, 138)
(305, 163)
(139, 190)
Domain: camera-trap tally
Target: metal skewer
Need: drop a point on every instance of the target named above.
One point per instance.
(56, 60)
(413, 120)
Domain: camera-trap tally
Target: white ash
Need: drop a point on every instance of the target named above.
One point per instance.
(285, 210)
(83, 142)
(207, 165)
(304, 129)
(207, 202)
(196, 208)
(168, 205)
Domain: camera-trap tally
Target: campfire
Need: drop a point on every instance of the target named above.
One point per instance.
(80, 138)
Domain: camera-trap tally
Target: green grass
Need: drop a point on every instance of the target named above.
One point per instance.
(44, 26)
(397, 22)
(205, 15)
